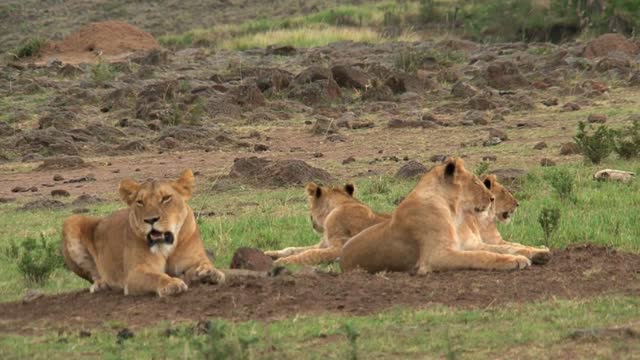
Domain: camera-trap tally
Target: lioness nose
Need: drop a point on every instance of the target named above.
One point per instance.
(152, 220)
(492, 199)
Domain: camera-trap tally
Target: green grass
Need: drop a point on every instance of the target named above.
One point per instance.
(340, 23)
(533, 330)
(304, 37)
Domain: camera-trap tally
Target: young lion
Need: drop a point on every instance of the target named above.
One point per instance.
(337, 215)
(481, 232)
(145, 247)
(422, 234)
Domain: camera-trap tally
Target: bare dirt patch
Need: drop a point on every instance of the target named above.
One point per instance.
(111, 40)
(574, 273)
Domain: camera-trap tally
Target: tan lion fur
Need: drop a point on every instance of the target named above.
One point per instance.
(115, 251)
(423, 232)
(337, 215)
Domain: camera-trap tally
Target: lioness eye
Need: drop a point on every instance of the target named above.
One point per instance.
(166, 199)
(140, 203)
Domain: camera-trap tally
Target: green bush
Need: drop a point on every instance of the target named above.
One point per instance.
(549, 219)
(594, 145)
(36, 258)
(219, 345)
(627, 141)
(562, 182)
(102, 72)
(482, 168)
(29, 48)
(352, 337)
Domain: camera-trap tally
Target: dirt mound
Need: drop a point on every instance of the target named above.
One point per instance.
(574, 273)
(250, 259)
(63, 162)
(608, 44)
(410, 170)
(111, 40)
(261, 171)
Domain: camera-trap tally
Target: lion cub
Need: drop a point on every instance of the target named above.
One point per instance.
(423, 233)
(337, 215)
(144, 248)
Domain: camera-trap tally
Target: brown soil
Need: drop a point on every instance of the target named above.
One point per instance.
(111, 40)
(574, 273)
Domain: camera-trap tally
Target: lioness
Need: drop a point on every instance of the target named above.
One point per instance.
(337, 215)
(480, 232)
(422, 234)
(145, 247)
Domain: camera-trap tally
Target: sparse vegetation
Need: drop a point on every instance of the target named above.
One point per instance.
(29, 48)
(548, 220)
(219, 343)
(482, 168)
(352, 337)
(36, 258)
(596, 145)
(102, 72)
(627, 141)
(562, 182)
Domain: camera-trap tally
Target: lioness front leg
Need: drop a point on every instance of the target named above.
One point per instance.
(140, 281)
(311, 257)
(451, 259)
(276, 254)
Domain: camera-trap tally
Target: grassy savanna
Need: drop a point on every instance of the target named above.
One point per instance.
(341, 23)
(598, 212)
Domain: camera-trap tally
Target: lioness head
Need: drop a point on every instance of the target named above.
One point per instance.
(471, 192)
(505, 204)
(158, 209)
(323, 199)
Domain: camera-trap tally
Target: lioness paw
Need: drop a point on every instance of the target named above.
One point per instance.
(98, 285)
(273, 254)
(175, 286)
(522, 262)
(541, 257)
(206, 274)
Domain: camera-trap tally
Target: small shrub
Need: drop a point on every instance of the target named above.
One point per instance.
(102, 72)
(594, 145)
(36, 258)
(218, 345)
(29, 48)
(378, 185)
(482, 168)
(352, 337)
(409, 61)
(549, 219)
(429, 11)
(562, 182)
(627, 141)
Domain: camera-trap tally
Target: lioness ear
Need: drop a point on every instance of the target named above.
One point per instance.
(312, 188)
(488, 181)
(450, 168)
(185, 184)
(128, 189)
(350, 189)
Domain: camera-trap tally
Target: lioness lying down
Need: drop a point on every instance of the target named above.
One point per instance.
(480, 231)
(424, 234)
(337, 215)
(145, 248)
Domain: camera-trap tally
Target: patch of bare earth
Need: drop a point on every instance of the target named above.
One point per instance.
(575, 273)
